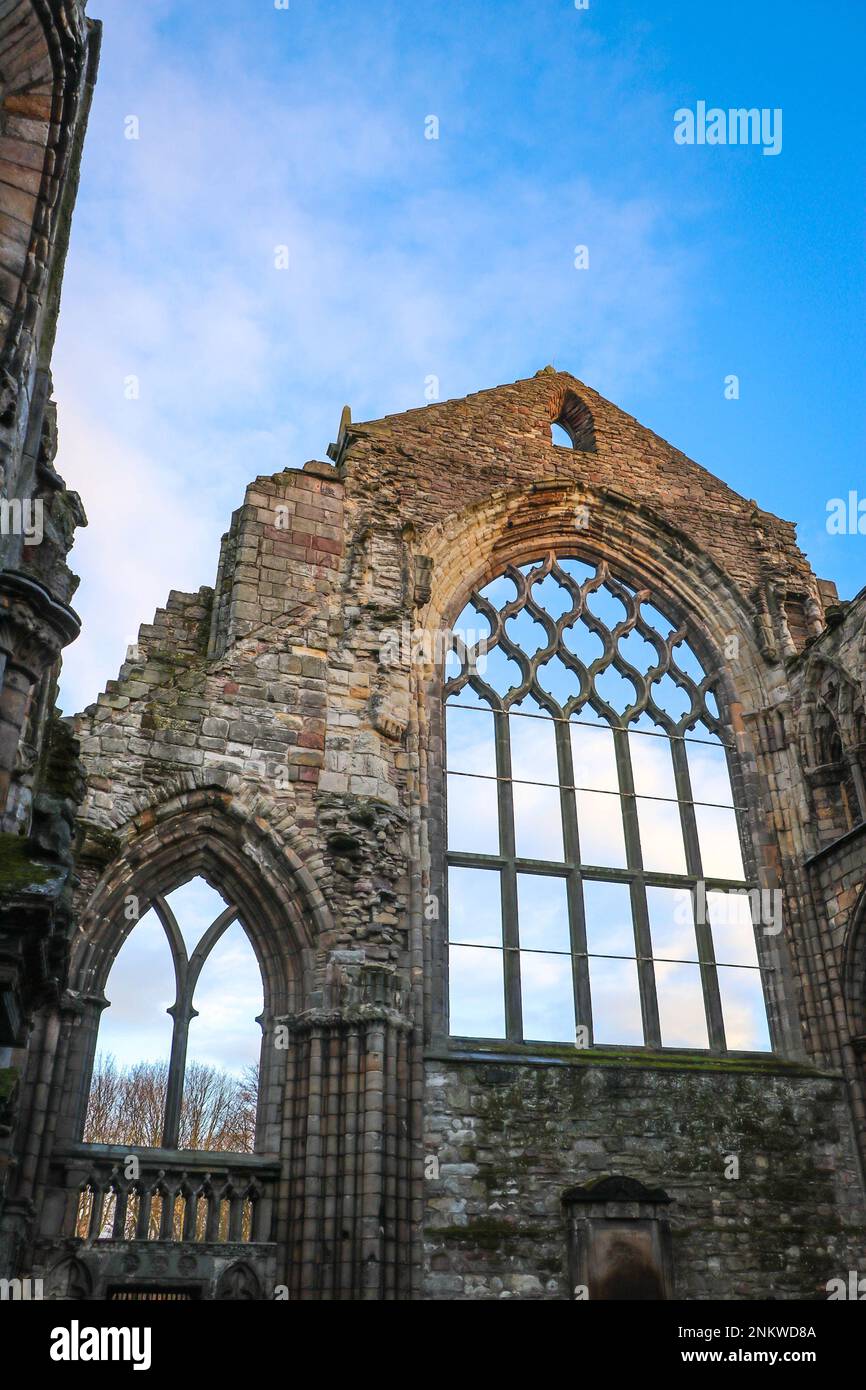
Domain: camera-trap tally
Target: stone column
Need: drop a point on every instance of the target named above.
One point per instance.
(34, 629)
(349, 1171)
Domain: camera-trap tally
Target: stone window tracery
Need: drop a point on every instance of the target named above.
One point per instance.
(833, 740)
(189, 958)
(597, 892)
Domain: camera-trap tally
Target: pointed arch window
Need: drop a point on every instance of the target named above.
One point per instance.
(597, 890)
(179, 1042)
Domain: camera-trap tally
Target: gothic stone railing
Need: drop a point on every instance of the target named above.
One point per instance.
(115, 1193)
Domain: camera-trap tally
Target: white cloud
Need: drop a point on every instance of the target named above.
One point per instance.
(398, 269)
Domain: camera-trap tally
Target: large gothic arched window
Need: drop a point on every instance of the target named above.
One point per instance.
(179, 1041)
(596, 889)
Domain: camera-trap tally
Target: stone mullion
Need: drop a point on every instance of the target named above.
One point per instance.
(508, 882)
(576, 916)
(640, 915)
(181, 1014)
(694, 867)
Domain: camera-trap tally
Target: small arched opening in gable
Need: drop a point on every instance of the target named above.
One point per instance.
(572, 425)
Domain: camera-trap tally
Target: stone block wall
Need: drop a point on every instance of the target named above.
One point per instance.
(282, 734)
(509, 1141)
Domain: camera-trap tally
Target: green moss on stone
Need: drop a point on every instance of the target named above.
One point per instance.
(8, 1082)
(18, 871)
(635, 1060)
(170, 658)
(99, 844)
(153, 720)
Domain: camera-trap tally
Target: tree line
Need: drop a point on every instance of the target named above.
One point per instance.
(127, 1106)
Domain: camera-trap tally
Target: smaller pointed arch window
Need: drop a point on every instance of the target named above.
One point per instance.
(180, 1038)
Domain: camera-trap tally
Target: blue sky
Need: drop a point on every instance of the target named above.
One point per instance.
(411, 257)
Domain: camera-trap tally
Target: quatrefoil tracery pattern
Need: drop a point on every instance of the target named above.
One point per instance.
(586, 675)
(567, 850)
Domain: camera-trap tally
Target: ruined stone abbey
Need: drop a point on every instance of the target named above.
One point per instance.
(533, 773)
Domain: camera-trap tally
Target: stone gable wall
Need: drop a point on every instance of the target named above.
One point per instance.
(294, 693)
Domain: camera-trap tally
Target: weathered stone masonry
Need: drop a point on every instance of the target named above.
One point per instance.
(507, 1135)
(263, 734)
(259, 735)
(49, 53)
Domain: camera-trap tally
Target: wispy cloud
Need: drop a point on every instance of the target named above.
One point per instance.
(398, 269)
